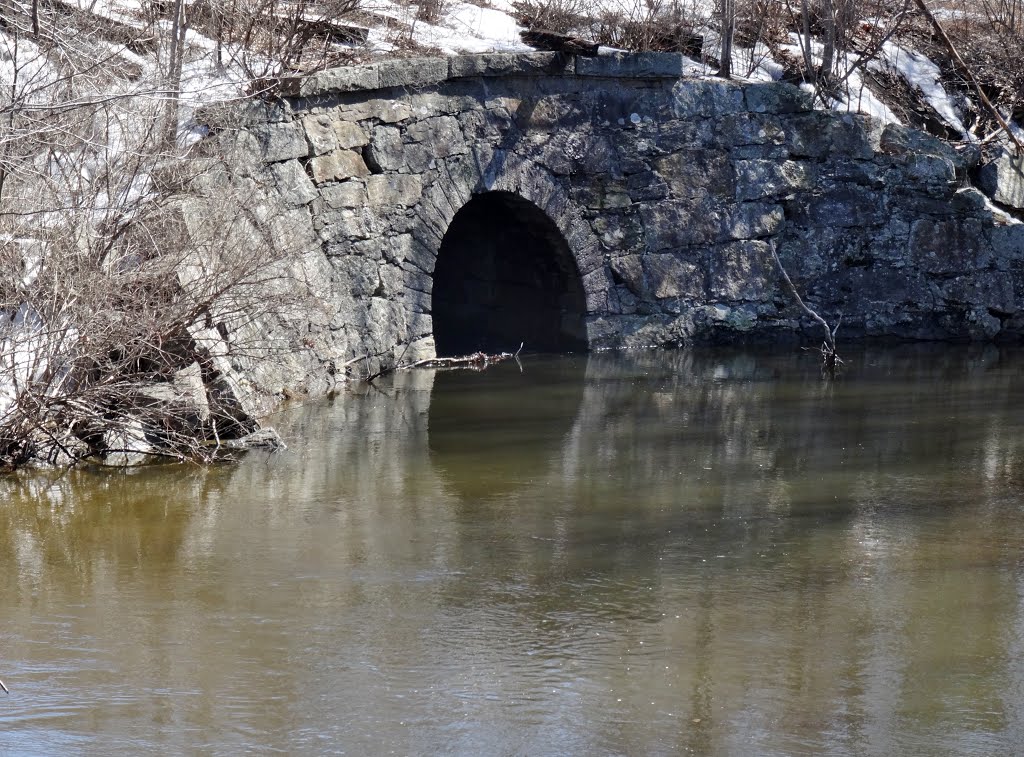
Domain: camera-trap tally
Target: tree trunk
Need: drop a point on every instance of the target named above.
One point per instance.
(178, 31)
(728, 32)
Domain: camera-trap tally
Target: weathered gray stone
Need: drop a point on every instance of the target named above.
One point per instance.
(411, 72)
(293, 184)
(749, 129)
(441, 133)
(1008, 242)
(394, 189)
(673, 224)
(694, 173)
(948, 247)
(660, 276)
(127, 445)
(777, 97)
(753, 220)
(386, 151)
(699, 98)
(320, 133)
(901, 141)
(348, 194)
(349, 135)
(342, 79)
(742, 271)
(505, 64)
(632, 65)
(1002, 179)
(761, 179)
(280, 141)
(338, 166)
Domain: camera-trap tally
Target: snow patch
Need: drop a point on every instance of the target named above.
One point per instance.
(925, 76)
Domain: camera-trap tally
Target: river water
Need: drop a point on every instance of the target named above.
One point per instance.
(651, 553)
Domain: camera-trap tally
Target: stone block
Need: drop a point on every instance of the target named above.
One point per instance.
(742, 271)
(506, 64)
(320, 133)
(749, 129)
(910, 144)
(386, 151)
(349, 134)
(809, 134)
(752, 220)
(338, 166)
(345, 224)
(411, 72)
(699, 98)
(1008, 242)
(948, 246)
(692, 173)
(280, 141)
(761, 179)
(984, 289)
(850, 207)
(348, 194)
(777, 97)
(622, 65)
(673, 224)
(660, 276)
(1002, 179)
(357, 276)
(394, 189)
(646, 186)
(293, 184)
(441, 133)
(341, 79)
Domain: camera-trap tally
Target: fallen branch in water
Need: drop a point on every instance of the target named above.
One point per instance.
(6, 690)
(477, 361)
(829, 356)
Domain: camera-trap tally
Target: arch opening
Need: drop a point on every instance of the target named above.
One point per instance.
(505, 276)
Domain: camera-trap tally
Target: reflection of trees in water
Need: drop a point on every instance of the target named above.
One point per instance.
(81, 526)
(734, 513)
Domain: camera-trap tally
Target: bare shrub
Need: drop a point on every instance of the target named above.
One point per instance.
(268, 37)
(127, 298)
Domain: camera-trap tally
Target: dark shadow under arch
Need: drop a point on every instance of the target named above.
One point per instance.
(505, 276)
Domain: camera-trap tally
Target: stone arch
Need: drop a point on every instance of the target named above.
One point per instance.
(527, 193)
(505, 277)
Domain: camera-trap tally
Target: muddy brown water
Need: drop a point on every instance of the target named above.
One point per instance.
(651, 553)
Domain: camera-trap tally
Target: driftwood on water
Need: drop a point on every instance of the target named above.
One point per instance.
(477, 361)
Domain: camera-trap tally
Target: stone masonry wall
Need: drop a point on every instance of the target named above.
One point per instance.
(670, 192)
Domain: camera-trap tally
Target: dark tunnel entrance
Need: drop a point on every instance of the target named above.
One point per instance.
(505, 276)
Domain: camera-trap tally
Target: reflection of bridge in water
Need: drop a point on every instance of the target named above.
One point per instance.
(783, 548)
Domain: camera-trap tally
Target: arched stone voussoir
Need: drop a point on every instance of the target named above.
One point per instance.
(522, 177)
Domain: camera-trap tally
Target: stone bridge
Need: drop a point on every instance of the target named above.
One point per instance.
(483, 202)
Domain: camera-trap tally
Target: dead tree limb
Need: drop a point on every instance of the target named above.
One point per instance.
(829, 355)
(477, 361)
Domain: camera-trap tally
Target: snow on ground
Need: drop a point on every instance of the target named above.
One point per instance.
(924, 75)
(857, 96)
(468, 28)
